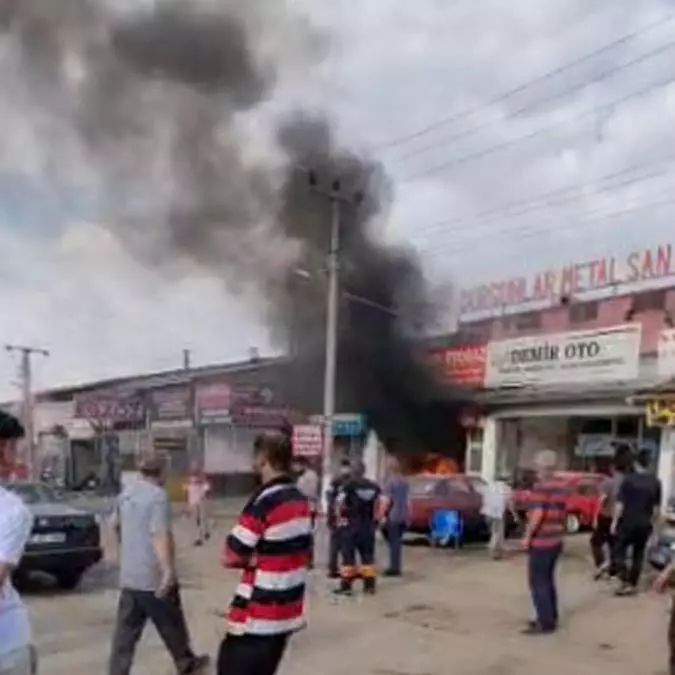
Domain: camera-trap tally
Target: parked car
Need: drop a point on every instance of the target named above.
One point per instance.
(581, 503)
(65, 541)
(430, 493)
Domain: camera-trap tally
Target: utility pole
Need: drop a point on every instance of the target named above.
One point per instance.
(187, 353)
(337, 199)
(26, 377)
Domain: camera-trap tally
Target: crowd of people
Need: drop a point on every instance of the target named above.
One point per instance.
(272, 545)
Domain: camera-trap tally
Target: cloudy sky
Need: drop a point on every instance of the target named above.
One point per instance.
(506, 160)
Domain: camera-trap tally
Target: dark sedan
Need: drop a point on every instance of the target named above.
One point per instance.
(65, 541)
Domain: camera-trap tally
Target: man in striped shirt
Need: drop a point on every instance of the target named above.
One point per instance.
(271, 544)
(544, 542)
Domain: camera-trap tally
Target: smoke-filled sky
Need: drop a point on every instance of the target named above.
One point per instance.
(383, 70)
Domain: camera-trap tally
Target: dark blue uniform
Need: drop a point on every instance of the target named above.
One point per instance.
(334, 546)
(357, 509)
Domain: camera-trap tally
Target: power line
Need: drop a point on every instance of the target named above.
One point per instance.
(542, 201)
(529, 233)
(526, 85)
(452, 163)
(535, 104)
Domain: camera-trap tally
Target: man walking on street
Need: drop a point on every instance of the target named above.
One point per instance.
(334, 528)
(396, 496)
(16, 653)
(197, 488)
(637, 510)
(271, 543)
(496, 497)
(544, 542)
(602, 541)
(148, 582)
(661, 583)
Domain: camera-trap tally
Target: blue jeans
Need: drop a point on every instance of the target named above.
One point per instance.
(395, 532)
(541, 572)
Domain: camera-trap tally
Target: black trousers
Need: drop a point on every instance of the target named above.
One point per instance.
(251, 654)
(334, 547)
(358, 546)
(135, 608)
(602, 539)
(631, 538)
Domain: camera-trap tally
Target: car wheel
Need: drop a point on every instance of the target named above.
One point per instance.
(572, 523)
(69, 579)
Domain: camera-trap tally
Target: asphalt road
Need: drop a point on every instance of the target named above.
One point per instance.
(454, 613)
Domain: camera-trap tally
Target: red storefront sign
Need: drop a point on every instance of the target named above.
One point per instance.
(307, 440)
(460, 365)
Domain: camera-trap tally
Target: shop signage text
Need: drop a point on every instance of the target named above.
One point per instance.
(666, 353)
(307, 440)
(551, 285)
(660, 412)
(213, 403)
(171, 407)
(111, 409)
(602, 355)
(460, 365)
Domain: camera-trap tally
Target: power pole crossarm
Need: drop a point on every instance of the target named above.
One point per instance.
(26, 377)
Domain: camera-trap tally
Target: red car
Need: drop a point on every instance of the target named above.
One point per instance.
(432, 492)
(582, 501)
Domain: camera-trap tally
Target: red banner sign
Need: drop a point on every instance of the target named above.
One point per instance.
(460, 365)
(307, 440)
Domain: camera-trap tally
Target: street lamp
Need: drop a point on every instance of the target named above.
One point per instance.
(337, 198)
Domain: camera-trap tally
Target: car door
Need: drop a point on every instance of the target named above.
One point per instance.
(584, 500)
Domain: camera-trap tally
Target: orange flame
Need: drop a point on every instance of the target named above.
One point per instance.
(437, 465)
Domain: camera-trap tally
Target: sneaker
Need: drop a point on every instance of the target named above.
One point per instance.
(198, 542)
(536, 629)
(333, 575)
(625, 590)
(343, 590)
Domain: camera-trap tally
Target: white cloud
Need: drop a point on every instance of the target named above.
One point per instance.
(395, 67)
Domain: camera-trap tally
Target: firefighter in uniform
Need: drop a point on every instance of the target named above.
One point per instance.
(358, 509)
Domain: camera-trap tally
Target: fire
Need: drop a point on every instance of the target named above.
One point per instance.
(437, 465)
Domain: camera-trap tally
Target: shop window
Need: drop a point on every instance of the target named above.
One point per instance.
(528, 321)
(475, 450)
(643, 302)
(583, 312)
(628, 427)
(594, 425)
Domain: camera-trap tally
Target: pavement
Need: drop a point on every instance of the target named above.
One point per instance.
(454, 612)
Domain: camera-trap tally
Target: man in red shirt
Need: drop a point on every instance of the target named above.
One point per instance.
(271, 543)
(544, 542)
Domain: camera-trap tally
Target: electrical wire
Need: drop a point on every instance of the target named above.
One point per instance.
(479, 222)
(533, 105)
(463, 159)
(396, 142)
(529, 233)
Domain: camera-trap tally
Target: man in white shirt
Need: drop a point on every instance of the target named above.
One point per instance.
(496, 497)
(16, 522)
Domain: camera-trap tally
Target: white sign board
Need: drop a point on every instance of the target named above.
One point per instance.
(666, 352)
(598, 355)
(307, 440)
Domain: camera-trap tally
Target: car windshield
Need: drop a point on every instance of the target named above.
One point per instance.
(33, 493)
(423, 487)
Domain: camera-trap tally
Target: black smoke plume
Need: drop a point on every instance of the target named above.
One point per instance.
(149, 102)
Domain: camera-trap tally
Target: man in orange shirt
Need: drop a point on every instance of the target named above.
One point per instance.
(543, 540)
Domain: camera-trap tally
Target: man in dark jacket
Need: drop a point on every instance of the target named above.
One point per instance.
(331, 520)
(636, 513)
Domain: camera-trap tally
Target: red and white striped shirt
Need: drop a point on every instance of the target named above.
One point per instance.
(271, 543)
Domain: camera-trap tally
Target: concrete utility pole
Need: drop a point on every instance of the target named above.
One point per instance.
(337, 199)
(26, 377)
(187, 353)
